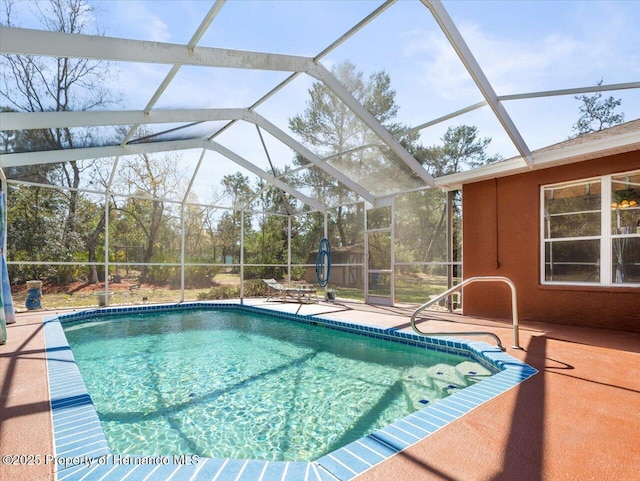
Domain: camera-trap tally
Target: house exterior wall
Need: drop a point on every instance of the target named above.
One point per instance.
(501, 237)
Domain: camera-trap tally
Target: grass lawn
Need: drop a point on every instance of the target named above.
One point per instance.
(409, 289)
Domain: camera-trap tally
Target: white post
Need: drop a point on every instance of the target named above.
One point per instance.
(326, 236)
(182, 254)
(241, 255)
(106, 228)
(289, 250)
(106, 249)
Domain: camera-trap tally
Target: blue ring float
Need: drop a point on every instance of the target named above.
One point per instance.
(323, 262)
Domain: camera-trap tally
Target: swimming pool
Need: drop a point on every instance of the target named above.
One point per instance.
(78, 432)
(233, 384)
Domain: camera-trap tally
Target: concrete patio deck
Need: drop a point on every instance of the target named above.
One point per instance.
(578, 418)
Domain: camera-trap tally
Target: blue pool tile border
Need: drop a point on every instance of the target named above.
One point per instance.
(82, 452)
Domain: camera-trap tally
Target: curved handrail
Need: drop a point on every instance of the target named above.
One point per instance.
(514, 311)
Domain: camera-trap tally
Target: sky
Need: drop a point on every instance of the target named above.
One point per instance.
(522, 46)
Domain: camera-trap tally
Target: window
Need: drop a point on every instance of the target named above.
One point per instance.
(591, 231)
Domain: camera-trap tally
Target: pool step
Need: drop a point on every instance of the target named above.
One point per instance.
(473, 371)
(418, 387)
(425, 385)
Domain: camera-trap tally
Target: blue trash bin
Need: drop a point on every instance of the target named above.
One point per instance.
(33, 295)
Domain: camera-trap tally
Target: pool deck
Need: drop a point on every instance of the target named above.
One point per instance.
(578, 418)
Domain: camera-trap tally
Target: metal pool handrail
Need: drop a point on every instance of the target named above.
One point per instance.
(514, 311)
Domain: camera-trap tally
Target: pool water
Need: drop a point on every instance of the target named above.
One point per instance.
(231, 384)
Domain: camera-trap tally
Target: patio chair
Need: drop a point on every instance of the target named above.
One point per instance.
(275, 290)
(302, 294)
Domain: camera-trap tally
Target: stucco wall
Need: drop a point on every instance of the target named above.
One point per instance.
(501, 237)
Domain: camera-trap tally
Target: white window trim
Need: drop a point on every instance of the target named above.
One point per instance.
(606, 258)
(605, 237)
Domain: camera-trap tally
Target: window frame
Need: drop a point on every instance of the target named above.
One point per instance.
(606, 278)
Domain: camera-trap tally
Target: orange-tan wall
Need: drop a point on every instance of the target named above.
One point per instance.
(501, 237)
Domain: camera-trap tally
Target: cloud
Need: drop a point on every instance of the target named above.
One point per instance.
(511, 65)
(610, 36)
(136, 20)
(582, 44)
(436, 65)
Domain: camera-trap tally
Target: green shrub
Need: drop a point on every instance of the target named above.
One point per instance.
(255, 288)
(221, 292)
(201, 276)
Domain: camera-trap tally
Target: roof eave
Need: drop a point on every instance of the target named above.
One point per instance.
(544, 159)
